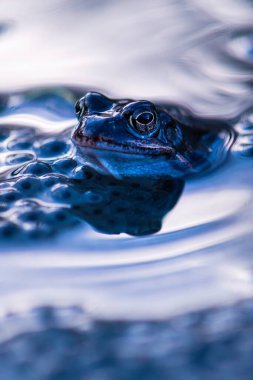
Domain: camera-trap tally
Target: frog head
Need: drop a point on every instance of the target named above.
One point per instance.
(133, 138)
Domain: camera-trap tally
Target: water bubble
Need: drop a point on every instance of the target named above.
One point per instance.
(64, 165)
(121, 206)
(140, 196)
(37, 168)
(18, 158)
(20, 144)
(8, 230)
(51, 148)
(28, 185)
(84, 173)
(31, 216)
(39, 232)
(65, 193)
(9, 195)
(92, 197)
(49, 180)
(61, 218)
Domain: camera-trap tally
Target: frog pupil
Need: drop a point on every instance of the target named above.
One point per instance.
(145, 118)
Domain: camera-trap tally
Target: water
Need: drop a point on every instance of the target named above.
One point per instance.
(194, 53)
(72, 346)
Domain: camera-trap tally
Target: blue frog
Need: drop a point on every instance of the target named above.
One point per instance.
(133, 138)
(121, 169)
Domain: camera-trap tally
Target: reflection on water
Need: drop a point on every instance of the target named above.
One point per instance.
(135, 207)
(241, 47)
(194, 53)
(162, 50)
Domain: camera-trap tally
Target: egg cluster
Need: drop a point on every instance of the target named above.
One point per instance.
(64, 343)
(36, 192)
(44, 188)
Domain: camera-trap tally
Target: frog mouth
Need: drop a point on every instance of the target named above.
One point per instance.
(100, 143)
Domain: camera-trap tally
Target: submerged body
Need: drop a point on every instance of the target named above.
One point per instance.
(121, 169)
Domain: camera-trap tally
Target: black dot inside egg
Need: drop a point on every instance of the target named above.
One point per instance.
(97, 211)
(52, 148)
(116, 193)
(121, 209)
(38, 168)
(88, 173)
(11, 197)
(26, 185)
(135, 185)
(8, 231)
(60, 216)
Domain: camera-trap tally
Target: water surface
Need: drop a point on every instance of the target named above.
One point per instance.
(197, 54)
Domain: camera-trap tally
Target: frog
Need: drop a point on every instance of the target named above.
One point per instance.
(120, 169)
(136, 138)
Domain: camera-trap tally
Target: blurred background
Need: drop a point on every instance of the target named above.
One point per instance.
(194, 52)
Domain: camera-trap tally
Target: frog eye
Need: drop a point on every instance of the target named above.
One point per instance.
(144, 123)
(80, 108)
(142, 118)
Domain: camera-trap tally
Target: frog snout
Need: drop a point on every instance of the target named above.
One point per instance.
(88, 129)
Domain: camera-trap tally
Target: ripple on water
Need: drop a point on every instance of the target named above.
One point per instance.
(4, 27)
(244, 127)
(241, 47)
(183, 252)
(19, 158)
